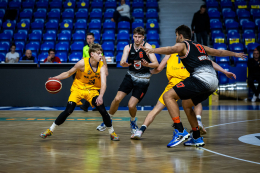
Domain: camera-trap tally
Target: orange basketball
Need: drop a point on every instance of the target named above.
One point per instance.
(53, 85)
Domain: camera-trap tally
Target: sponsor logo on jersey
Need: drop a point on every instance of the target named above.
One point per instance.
(89, 72)
(204, 57)
(137, 64)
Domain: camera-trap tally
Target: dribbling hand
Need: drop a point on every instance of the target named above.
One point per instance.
(240, 55)
(230, 75)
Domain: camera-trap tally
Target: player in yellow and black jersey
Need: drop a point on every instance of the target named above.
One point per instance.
(175, 72)
(90, 77)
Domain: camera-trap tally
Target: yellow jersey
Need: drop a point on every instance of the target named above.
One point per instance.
(88, 79)
(175, 68)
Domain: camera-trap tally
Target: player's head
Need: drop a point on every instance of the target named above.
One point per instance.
(90, 38)
(138, 35)
(202, 9)
(256, 55)
(13, 47)
(51, 53)
(28, 53)
(122, 2)
(183, 32)
(95, 51)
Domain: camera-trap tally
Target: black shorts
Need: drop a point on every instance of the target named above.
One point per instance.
(194, 89)
(139, 88)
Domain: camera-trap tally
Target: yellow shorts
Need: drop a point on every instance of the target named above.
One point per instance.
(170, 85)
(76, 95)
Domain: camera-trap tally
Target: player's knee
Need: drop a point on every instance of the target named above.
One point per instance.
(131, 106)
(117, 100)
(186, 104)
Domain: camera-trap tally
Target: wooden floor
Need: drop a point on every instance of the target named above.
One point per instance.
(76, 146)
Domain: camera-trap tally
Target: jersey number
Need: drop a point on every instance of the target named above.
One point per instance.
(141, 54)
(200, 48)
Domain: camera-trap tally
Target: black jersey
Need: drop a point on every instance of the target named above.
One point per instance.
(198, 64)
(196, 59)
(135, 57)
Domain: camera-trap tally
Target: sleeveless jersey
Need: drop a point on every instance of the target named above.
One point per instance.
(134, 58)
(88, 79)
(196, 59)
(175, 68)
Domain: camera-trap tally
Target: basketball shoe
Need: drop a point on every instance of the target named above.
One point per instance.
(201, 128)
(194, 142)
(133, 126)
(102, 127)
(46, 133)
(137, 135)
(254, 98)
(114, 137)
(178, 137)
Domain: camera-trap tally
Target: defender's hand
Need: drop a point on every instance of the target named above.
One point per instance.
(99, 101)
(125, 64)
(144, 62)
(230, 75)
(240, 55)
(147, 50)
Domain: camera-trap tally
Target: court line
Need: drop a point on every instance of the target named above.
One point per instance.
(228, 155)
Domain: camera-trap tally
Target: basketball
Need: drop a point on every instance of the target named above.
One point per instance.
(53, 85)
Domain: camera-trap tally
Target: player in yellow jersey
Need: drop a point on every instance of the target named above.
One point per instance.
(175, 72)
(90, 77)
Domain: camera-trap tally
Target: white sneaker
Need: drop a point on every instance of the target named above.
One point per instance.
(259, 96)
(254, 98)
(102, 127)
(137, 135)
(202, 130)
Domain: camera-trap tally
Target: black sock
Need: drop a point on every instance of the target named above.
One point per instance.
(196, 134)
(143, 128)
(178, 126)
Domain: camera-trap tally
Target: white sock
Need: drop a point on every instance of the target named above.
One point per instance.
(132, 118)
(53, 126)
(198, 117)
(111, 116)
(110, 130)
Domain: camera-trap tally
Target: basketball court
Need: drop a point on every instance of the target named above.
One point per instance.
(232, 143)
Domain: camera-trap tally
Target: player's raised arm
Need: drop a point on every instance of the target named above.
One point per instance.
(123, 62)
(161, 65)
(177, 48)
(222, 53)
(154, 63)
(67, 74)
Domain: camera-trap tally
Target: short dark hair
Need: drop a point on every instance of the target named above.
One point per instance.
(13, 45)
(184, 30)
(90, 33)
(203, 6)
(139, 30)
(94, 48)
(51, 50)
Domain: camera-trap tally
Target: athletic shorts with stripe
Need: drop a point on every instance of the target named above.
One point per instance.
(171, 84)
(76, 95)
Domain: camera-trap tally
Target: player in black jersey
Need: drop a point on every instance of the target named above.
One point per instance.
(194, 89)
(137, 78)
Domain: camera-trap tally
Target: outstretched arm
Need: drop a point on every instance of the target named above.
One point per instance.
(103, 76)
(218, 68)
(67, 74)
(161, 66)
(222, 53)
(177, 48)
